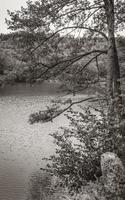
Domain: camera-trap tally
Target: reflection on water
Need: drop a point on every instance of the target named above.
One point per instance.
(21, 89)
(22, 145)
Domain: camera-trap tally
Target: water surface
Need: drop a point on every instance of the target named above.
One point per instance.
(22, 146)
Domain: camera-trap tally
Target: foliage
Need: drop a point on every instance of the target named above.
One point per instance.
(16, 68)
(63, 38)
(94, 190)
(79, 147)
(51, 54)
(43, 186)
(49, 61)
(11, 66)
(44, 116)
(40, 184)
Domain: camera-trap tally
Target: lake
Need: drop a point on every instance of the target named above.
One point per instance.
(22, 146)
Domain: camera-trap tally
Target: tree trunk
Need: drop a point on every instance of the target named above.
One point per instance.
(113, 68)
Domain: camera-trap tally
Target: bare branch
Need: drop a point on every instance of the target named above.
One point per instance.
(89, 62)
(71, 61)
(91, 99)
(71, 27)
(97, 65)
(68, 107)
(80, 10)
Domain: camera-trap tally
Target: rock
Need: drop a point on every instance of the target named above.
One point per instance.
(113, 174)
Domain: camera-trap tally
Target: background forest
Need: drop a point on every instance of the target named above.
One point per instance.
(19, 65)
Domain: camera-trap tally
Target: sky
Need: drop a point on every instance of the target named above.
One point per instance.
(13, 5)
(8, 5)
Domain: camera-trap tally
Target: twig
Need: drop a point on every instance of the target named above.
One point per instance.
(65, 109)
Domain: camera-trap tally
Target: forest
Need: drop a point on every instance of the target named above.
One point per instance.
(18, 64)
(79, 44)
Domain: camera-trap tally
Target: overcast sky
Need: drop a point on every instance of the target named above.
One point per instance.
(11, 5)
(8, 5)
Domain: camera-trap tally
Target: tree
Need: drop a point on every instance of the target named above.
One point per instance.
(97, 19)
(11, 67)
(94, 19)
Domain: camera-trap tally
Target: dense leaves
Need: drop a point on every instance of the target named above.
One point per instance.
(54, 34)
(79, 147)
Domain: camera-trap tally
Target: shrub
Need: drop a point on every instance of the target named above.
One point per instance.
(79, 147)
(44, 186)
(44, 116)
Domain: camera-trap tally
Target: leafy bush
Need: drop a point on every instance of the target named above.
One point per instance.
(44, 116)
(43, 186)
(79, 147)
(39, 185)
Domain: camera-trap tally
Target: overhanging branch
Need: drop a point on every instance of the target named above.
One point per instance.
(66, 28)
(89, 62)
(68, 107)
(50, 114)
(73, 60)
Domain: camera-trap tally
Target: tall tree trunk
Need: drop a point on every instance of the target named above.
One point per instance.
(113, 78)
(113, 68)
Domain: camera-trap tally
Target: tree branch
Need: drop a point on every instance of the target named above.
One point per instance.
(73, 60)
(81, 9)
(66, 28)
(50, 118)
(97, 65)
(89, 62)
(68, 107)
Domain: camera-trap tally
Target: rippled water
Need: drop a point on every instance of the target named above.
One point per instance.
(22, 145)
